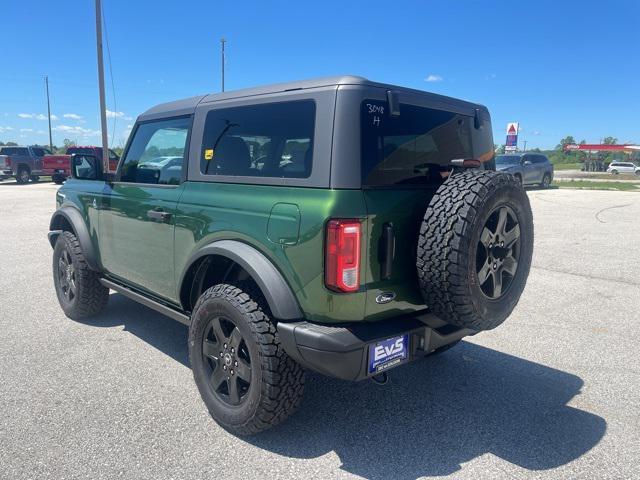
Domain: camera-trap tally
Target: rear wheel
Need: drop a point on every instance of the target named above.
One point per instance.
(23, 175)
(475, 248)
(244, 376)
(58, 179)
(546, 181)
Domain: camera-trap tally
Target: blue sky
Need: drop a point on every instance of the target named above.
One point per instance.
(557, 67)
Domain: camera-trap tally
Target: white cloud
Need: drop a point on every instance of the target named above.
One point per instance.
(75, 130)
(490, 76)
(5, 129)
(433, 78)
(536, 132)
(37, 116)
(111, 114)
(26, 129)
(72, 116)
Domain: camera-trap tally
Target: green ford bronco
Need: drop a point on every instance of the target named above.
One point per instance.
(338, 225)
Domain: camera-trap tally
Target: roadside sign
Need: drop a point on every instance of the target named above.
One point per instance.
(511, 144)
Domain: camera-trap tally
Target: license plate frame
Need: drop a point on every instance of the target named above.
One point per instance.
(387, 353)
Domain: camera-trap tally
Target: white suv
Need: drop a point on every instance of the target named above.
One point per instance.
(623, 167)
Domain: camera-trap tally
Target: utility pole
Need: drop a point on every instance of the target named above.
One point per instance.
(525, 146)
(46, 82)
(103, 107)
(222, 42)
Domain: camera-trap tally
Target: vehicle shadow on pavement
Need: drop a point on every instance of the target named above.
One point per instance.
(433, 415)
(440, 412)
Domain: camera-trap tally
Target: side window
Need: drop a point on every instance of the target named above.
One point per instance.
(113, 155)
(157, 151)
(266, 140)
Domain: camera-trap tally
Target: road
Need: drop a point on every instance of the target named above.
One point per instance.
(553, 393)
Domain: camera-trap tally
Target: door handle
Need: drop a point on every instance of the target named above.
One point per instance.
(158, 215)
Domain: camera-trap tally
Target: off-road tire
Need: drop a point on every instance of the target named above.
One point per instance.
(23, 175)
(91, 296)
(448, 248)
(277, 381)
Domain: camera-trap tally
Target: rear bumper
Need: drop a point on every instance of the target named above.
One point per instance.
(342, 351)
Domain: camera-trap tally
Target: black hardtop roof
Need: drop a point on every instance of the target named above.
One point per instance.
(188, 105)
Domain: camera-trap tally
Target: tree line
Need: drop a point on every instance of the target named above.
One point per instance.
(559, 155)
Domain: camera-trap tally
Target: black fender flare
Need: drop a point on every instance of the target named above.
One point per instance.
(74, 218)
(278, 294)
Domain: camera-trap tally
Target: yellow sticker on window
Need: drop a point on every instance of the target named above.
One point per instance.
(208, 154)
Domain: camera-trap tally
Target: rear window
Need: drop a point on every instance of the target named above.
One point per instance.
(40, 152)
(414, 148)
(14, 151)
(268, 140)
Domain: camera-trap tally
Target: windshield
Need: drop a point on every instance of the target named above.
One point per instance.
(508, 159)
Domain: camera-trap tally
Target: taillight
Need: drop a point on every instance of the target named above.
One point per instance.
(342, 261)
(7, 161)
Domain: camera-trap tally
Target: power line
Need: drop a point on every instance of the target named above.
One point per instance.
(46, 82)
(113, 87)
(103, 107)
(222, 42)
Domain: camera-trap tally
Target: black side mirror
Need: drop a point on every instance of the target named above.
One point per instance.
(85, 167)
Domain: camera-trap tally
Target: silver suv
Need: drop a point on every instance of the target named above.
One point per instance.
(528, 168)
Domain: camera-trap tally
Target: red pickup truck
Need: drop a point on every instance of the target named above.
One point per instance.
(59, 166)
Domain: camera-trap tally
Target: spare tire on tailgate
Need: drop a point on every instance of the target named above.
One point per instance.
(475, 247)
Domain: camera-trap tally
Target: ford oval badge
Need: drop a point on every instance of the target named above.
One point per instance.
(385, 297)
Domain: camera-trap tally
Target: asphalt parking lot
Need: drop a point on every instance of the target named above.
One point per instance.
(552, 393)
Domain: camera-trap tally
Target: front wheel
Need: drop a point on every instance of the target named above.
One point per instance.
(58, 179)
(614, 172)
(78, 288)
(244, 376)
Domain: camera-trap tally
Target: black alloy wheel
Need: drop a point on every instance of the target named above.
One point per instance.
(498, 252)
(67, 276)
(225, 352)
